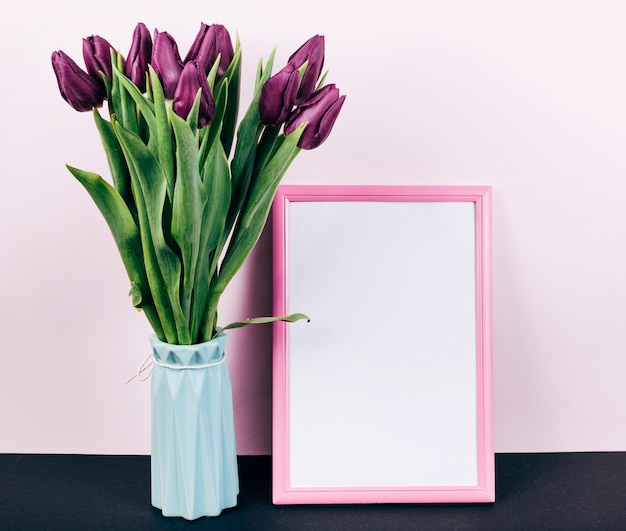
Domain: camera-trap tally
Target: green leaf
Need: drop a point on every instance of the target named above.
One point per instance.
(241, 182)
(119, 219)
(164, 149)
(249, 128)
(266, 148)
(216, 180)
(233, 78)
(190, 198)
(247, 137)
(263, 74)
(121, 103)
(320, 84)
(126, 236)
(108, 84)
(116, 160)
(254, 215)
(149, 95)
(213, 130)
(135, 295)
(263, 320)
(163, 267)
(194, 112)
(144, 105)
(213, 71)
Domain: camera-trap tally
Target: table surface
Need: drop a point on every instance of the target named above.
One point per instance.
(560, 491)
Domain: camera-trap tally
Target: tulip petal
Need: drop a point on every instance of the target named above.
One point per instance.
(97, 56)
(210, 42)
(77, 87)
(324, 127)
(196, 51)
(166, 61)
(278, 96)
(139, 56)
(193, 79)
(319, 113)
(312, 52)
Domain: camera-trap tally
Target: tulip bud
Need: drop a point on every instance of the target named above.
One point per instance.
(210, 42)
(139, 56)
(278, 96)
(319, 113)
(97, 55)
(77, 87)
(166, 62)
(313, 52)
(193, 78)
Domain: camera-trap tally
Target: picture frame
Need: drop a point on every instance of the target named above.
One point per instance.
(385, 396)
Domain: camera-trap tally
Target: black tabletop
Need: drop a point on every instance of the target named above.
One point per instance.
(561, 491)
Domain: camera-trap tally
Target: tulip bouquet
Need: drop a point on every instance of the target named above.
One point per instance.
(191, 189)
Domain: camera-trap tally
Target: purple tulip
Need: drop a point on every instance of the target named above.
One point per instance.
(209, 43)
(319, 113)
(166, 62)
(192, 79)
(139, 56)
(313, 52)
(278, 96)
(97, 56)
(77, 87)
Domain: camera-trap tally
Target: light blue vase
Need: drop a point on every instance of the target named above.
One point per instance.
(194, 458)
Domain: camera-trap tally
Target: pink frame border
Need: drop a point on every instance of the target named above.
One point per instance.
(484, 491)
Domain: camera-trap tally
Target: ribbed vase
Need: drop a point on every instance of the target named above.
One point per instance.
(194, 458)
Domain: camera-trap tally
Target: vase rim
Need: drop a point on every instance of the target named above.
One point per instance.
(188, 355)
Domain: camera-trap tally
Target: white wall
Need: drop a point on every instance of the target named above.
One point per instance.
(527, 96)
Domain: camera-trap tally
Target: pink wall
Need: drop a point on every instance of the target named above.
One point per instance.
(527, 97)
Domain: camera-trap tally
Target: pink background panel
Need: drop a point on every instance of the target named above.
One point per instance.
(525, 96)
